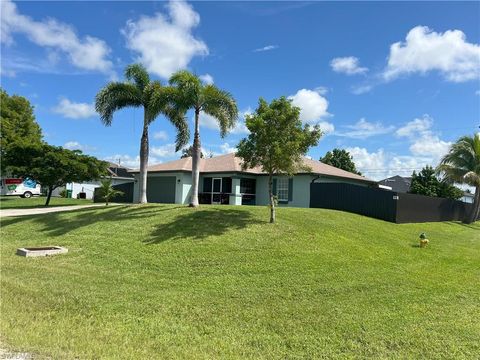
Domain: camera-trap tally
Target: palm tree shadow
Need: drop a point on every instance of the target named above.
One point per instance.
(201, 223)
(58, 224)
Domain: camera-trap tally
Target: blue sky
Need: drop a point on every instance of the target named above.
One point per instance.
(393, 83)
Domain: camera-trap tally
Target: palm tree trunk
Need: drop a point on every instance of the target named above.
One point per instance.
(272, 200)
(143, 161)
(195, 161)
(473, 216)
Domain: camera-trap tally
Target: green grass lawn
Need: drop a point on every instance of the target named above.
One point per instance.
(166, 281)
(16, 202)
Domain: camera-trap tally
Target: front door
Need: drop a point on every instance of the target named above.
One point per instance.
(216, 190)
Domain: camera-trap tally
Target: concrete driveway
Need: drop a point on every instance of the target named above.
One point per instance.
(46, 210)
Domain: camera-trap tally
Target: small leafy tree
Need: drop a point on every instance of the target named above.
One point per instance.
(340, 158)
(277, 141)
(462, 165)
(189, 152)
(107, 192)
(427, 183)
(53, 166)
(18, 125)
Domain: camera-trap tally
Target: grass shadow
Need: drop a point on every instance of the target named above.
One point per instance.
(37, 202)
(474, 226)
(58, 224)
(202, 223)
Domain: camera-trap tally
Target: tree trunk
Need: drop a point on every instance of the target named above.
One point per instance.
(473, 216)
(49, 195)
(195, 161)
(272, 200)
(143, 162)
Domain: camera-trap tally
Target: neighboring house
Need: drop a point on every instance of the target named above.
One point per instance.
(222, 181)
(118, 174)
(467, 198)
(397, 183)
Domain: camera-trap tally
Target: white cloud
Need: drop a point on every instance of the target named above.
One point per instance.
(164, 151)
(366, 160)
(361, 89)
(423, 141)
(225, 148)
(73, 110)
(326, 127)
(166, 44)
(160, 135)
(415, 127)
(206, 78)
(266, 48)
(426, 148)
(127, 160)
(425, 50)
(347, 65)
(75, 145)
(313, 106)
(322, 90)
(363, 129)
(211, 123)
(430, 145)
(208, 121)
(378, 165)
(87, 53)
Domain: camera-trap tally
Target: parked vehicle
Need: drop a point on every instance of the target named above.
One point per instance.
(25, 188)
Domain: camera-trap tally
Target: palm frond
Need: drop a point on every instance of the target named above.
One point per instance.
(115, 96)
(164, 100)
(189, 86)
(179, 120)
(222, 106)
(138, 74)
(462, 163)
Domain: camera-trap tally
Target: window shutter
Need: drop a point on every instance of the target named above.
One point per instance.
(274, 187)
(290, 189)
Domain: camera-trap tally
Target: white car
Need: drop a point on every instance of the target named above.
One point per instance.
(20, 187)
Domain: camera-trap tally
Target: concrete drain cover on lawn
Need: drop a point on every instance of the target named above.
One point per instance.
(41, 251)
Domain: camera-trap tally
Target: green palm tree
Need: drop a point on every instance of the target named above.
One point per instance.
(193, 94)
(155, 99)
(462, 165)
(107, 192)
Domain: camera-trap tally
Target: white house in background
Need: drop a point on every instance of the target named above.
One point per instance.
(467, 197)
(118, 174)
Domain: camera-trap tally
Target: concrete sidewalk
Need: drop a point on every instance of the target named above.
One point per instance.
(46, 210)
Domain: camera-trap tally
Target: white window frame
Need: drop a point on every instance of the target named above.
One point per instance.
(282, 188)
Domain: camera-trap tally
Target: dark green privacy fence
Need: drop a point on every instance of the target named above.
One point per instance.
(384, 204)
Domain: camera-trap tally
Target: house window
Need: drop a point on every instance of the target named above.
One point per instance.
(282, 189)
(247, 186)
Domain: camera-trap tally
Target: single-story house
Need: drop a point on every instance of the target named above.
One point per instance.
(223, 181)
(118, 174)
(397, 183)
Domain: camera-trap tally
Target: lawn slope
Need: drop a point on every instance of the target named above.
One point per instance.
(167, 281)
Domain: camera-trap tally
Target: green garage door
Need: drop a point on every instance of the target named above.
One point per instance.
(161, 189)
